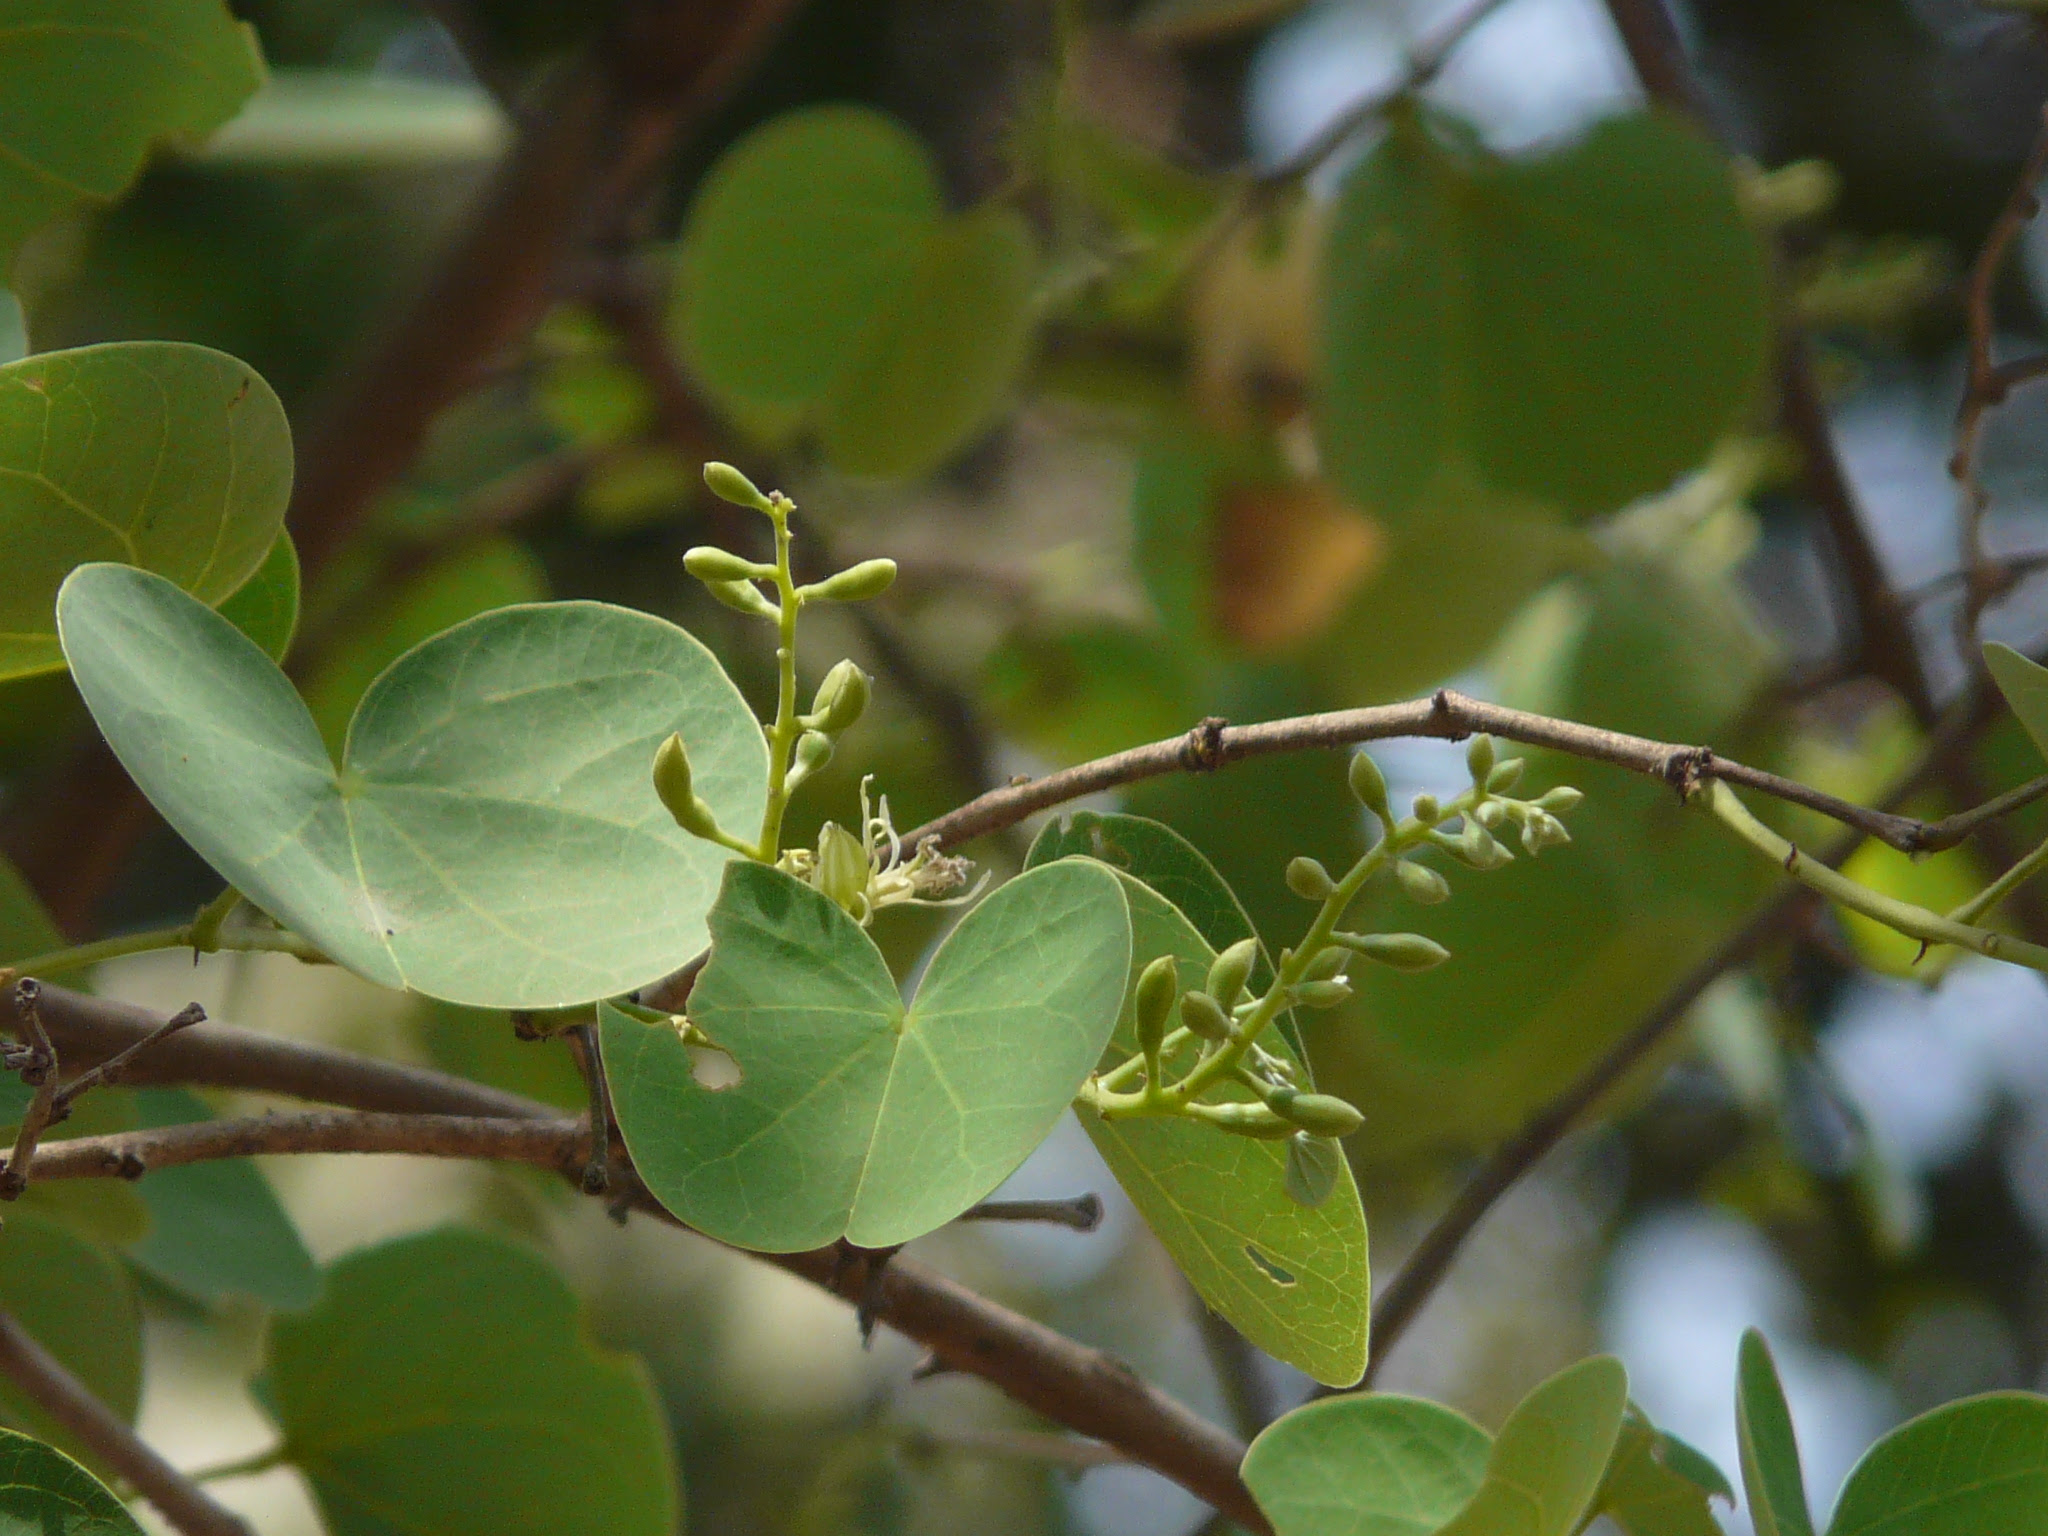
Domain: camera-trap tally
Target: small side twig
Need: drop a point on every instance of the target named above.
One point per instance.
(110, 1070)
(583, 1042)
(43, 1379)
(39, 1071)
(1082, 1213)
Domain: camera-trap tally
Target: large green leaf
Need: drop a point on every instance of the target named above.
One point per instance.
(1494, 316)
(171, 457)
(1546, 1466)
(493, 834)
(1770, 1452)
(1367, 1465)
(217, 1228)
(856, 1117)
(90, 85)
(266, 606)
(2025, 687)
(76, 1300)
(1659, 1486)
(444, 1386)
(1968, 1468)
(43, 1492)
(824, 288)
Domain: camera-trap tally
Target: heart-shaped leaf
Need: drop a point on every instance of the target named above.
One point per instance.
(91, 85)
(1494, 316)
(1552, 1453)
(75, 1299)
(855, 1117)
(1373, 1464)
(444, 1386)
(43, 1492)
(1968, 1468)
(170, 457)
(1770, 1452)
(2025, 687)
(492, 836)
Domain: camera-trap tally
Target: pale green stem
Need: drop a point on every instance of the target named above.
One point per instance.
(1992, 894)
(57, 962)
(782, 736)
(247, 1466)
(1899, 916)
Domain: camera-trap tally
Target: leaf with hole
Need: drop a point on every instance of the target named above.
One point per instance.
(445, 1385)
(170, 457)
(1370, 1464)
(1546, 1466)
(1769, 1449)
(74, 1298)
(855, 1116)
(492, 835)
(1490, 315)
(825, 289)
(43, 1492)
(1968, 1468)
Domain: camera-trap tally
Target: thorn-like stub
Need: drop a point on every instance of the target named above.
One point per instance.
(1687, 768)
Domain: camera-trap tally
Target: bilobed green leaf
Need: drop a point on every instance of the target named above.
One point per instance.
(1546, 1467)
(824, 288)
(493, 833)
(1658, 1486)
(75, 1299)
(444, 1386)
(855, 1117)
(1370, 1464)
(1770, 1452)
(266, 606)
(1491, 315)
(91, 85)
(217, 1228)
(1968, 1468)
(43, 1492)
(170, 457)
(2025, 687)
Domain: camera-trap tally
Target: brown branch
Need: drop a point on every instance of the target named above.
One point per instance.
(39, 1071)
(44, 1381)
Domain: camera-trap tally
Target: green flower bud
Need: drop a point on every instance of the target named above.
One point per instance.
(1426, 810)
(1322, 994)
(1505, 776)
(841, 870)
(1402, 951)
(745, 597)
(1254, 1120)
(1560, 801)
(1482, 850)
(1231, 970)
(672, 783)
(1543, 830)
(813, 752)
(857, 583)
(1313, 1163)
(1479, 758)
(1204, 1017)
(1325, 965)
(1423, 884)
(728, 484)
(1490, 814)
(841, 699)
(1370, 786)
(1152, 1002)
(1308, 879)
(1323, 1114)
(707, 562)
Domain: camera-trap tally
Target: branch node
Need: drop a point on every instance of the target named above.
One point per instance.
(1685, 768)
(1202, 750)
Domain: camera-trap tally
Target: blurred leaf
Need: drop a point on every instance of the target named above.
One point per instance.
(1967, 1469)
(1368, 1464)
(218, 1228)
(1770, 1452)
(1493, 314)
(1659, 1486)
(1940, 883)
(473, 578)
(823, 286)
(2025, 687)
(170, 457)
(308, 119)
(1191, 21)
(594, 400)
(1289, 557)
(481, 1046)
(1088, 692)
(444, 1385)
(92, 85)
(1155, 212)
(1546, 1466)
(266, 606)
(75, 1299)
(102, 1210)
(43, 1492)
(493, 831)
(853, 1116)
(635, 488)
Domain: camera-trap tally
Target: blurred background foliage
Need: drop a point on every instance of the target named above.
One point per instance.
(1018, 299)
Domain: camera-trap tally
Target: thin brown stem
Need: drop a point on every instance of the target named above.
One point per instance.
(110, 1070)
(1082, 1213)
(44, 1381)
(39, 1071)
(590, 1061)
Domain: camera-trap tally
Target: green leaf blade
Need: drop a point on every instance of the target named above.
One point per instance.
(1769, 1449)
(266, 606)
(76, 1300)
(1547, 1465)
(43, 1492)
(1374, 1464)
(1975, 1466)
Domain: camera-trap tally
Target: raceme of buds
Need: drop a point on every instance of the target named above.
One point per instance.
(1152, 1003)
(1254, 1120)
(1313, 1163)
(841, 700)
(1308, 879)
(841, 871)
(1320, 1114)
(1505, 776)
(855, 584)
(1560, 801)
(1401, 951)
(744, 597)
(1370, 786)
(1231, 970)
(1479, 758)
(1423, 884)
(707, 562)
(1204, 1017)
(1478, 848)
(672, 783)
(728, 484)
